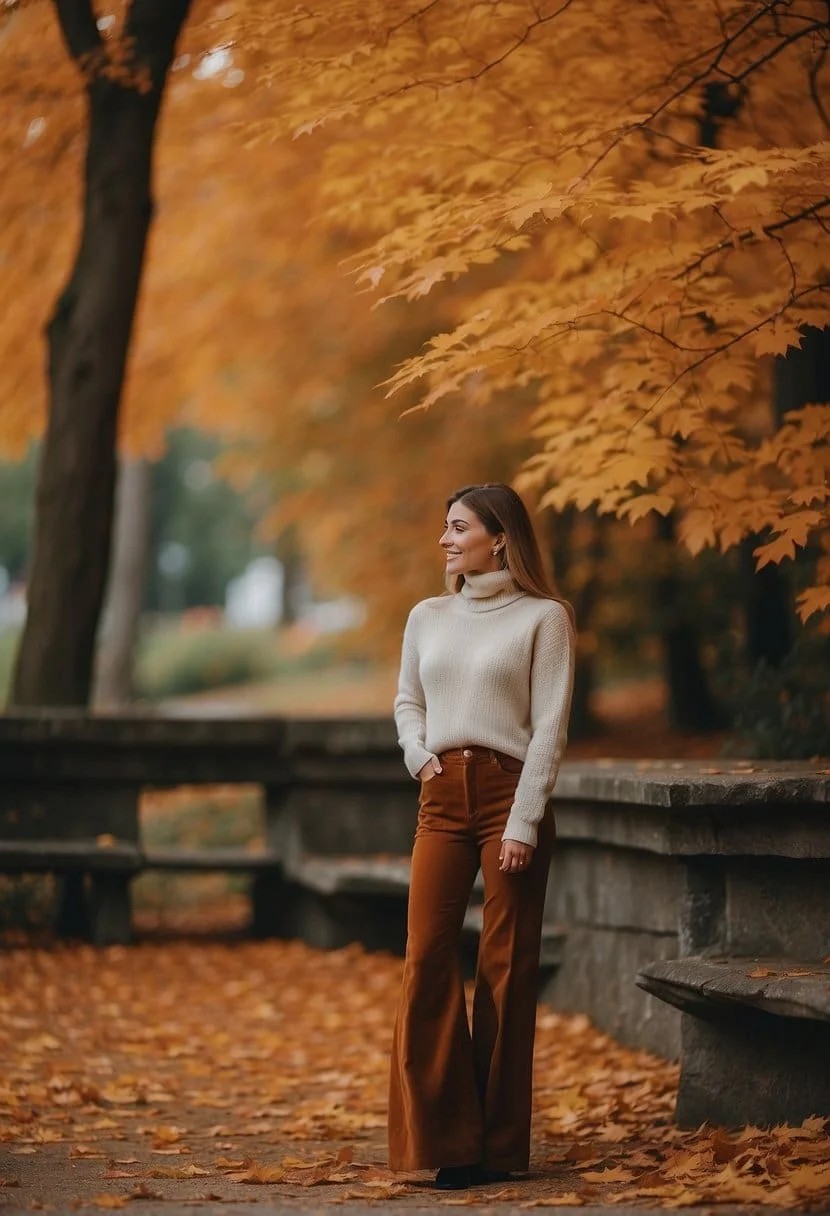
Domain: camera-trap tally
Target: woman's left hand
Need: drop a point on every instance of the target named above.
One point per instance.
(515, 856)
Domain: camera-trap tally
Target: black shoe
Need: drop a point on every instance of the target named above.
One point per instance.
(454, 1177)
(484, 1177)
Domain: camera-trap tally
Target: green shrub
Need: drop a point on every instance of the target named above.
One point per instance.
(197, 819)
(782, 713)
(174, 662)
(26, 901)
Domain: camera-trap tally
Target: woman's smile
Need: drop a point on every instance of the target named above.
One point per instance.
(475, 552)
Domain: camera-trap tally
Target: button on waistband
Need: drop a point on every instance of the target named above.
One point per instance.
(466, 753)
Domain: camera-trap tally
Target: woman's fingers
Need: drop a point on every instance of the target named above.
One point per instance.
(514, 857)
(431, 769)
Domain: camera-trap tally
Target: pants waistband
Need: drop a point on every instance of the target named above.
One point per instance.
(478, 753)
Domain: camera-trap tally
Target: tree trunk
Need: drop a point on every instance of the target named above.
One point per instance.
(767, 607)
(691, 704)
(293, 574)
(88, 340)
(125, 589)
(802, 377)
(583, 594)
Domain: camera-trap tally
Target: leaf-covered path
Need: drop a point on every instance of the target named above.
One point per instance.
(234, 1072)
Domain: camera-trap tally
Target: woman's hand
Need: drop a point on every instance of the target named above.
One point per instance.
(430, 769)
(515, 856)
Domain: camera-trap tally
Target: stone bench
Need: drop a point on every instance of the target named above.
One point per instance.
(263, 868)
(340, 899)
(67, 778)
(662, 864)
(94, 901)
(756, 1043)
(334, 900)
(332, 789)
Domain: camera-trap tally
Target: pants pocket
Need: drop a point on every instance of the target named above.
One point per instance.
(509, 764)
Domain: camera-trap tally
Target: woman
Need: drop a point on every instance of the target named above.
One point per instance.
(482, 712)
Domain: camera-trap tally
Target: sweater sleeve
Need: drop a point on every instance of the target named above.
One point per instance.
(410, 703)
(551, 688)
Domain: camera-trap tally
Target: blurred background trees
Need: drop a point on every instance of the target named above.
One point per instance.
(592, 296)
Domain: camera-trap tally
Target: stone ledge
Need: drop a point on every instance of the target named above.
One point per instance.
(31, 856)
(208, 859)
(57, 725)
(313, 741)
(798, 829)
(700, 985)
(351, 875)
(695, 783)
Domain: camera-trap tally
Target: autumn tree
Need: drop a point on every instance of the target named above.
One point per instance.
(219, 342)
(655, 276)
(588, 292)
(88, 340)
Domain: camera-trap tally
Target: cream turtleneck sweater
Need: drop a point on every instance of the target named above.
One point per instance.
(492, 667)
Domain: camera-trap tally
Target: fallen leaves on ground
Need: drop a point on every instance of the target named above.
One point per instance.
(245, 1066)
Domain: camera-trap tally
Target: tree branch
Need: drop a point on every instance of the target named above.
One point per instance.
(416, 16)
(151, 30)
(713, 68)
(815, 69)
(80, 30)
(726, 345)
(748, 235)
(438, 82)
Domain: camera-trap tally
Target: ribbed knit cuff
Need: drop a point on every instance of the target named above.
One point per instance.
(415, 756)
(521, 830)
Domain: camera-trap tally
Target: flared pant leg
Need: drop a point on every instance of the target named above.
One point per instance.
(504, 1005)
(457, 1098)
(434, 1111)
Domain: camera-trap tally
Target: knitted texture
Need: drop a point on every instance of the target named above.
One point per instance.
(489, 667)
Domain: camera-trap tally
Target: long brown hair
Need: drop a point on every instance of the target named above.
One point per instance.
(502, 511)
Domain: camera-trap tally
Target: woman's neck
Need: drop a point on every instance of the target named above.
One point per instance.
(488, 589)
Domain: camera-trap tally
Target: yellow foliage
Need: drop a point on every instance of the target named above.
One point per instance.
(587, 296)
(657, 275)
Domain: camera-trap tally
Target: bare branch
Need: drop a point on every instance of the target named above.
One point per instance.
(712, 68)
(79, 28)
(815, 28)
(748, 236)
(416, 16)
(439, 82)
(151, 30)
(815, 69)
(722, 347)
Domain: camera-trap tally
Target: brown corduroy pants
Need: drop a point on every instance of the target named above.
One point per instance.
(458, 1098)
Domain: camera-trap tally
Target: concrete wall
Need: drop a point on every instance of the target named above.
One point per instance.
(620, 910)
(654, 860)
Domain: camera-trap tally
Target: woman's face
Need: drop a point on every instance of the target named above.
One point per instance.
(467, 543)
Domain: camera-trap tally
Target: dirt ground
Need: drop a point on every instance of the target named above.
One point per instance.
(217, 1071)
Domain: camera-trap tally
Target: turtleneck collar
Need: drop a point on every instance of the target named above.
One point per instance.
(489, 590)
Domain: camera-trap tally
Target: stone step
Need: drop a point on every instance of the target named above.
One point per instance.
(370, 875)
(703, 984)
